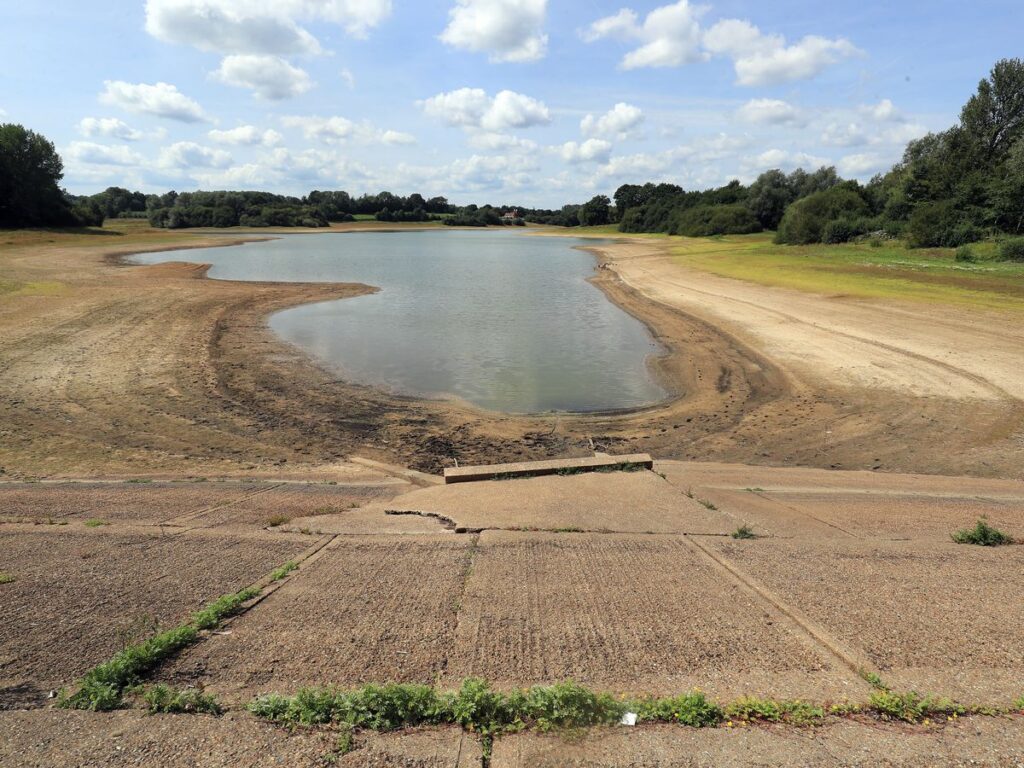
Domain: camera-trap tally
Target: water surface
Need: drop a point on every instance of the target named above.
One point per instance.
(503, 320)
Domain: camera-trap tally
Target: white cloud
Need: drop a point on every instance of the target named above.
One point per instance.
(266, 27)
(618, 122)
(500, 141)
(335, 130)
(883, 112)
(227, 27)
(188, 154)
(589, 151)
(473, 108)
(110, 127)
(348, 78)
(246, 135)
(857, 134)
(269, 77)
(161, 99)
(101, 154)
(770, 112)
(863, 164)
(784, 160)
(669, 35)
(507, 30)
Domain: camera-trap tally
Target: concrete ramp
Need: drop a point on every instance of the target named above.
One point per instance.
(599, 463)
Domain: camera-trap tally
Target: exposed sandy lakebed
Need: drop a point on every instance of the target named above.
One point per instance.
(155, 370)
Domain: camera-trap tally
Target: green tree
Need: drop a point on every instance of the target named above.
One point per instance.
(994, 117)
(595, 211)
(30, 174)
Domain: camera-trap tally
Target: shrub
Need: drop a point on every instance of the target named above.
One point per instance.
(982, 535)
(940, 225)
(1012, 250)
(965, 254)
(164, 699)
(709, 220)
(805, 220)
(477, 708)
(569, 705)
(277, 520)
(838, 231)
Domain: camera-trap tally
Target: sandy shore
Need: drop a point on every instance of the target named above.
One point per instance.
(130, 370)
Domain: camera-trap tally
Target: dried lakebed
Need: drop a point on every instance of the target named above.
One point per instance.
(505, 322)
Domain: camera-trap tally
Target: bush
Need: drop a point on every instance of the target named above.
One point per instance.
(940, 225)
(709, 220)
(835, 232)
(570, 705)
(805, 220)
(691, 709)
(1012, 250)
(911, 707)
(965, 254)
(982, 535)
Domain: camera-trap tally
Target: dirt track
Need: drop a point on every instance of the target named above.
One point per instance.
(124, 370)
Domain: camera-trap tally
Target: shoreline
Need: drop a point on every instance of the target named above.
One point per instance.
(193, 381)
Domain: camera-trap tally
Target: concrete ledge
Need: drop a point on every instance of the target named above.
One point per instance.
(422, 479)
(539, 468)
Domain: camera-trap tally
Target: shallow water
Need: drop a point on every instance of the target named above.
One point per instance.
(505, 321)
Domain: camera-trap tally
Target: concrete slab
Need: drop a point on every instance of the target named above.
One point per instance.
(617, 501)
(629, 614)
(981, 742)
(940, 618)
(368, 609)
(598, 463)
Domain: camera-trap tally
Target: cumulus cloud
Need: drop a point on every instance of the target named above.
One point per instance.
(770, 112)
(784, 160)
(109, 127)
(671, 36)
(500, 141)
(883, 112)
(246, 135)
(863, 164)
(267, 27)
(589, 151)
(269, 77)
(335, 130)
(101, 154)
(160, 99)
(506, 30)
(472, 108)
(348, 78)
(618, 122)
(188, 154)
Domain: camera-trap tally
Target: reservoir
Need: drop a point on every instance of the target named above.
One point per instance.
(503, 320)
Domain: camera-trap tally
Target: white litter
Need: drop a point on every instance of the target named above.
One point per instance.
(628, 719)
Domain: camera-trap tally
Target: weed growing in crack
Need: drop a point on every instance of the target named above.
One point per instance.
(95, 523)
(277, 520)
(6, 578)
(744, 532)
(795, 712)
(982, 535)
(873, 679)
(911, 707)
(162, 698)
(284, 570)
(693, 709)
(707, 504)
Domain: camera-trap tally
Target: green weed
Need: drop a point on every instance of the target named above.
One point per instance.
(707, 504)
(6, 578)
(982, 535)
(95, 523)
(163, 699)
(795, 712)
(873, 679)
(277, 520)
(284, 570)
(744, 532)
(693, 709)
(911, 707)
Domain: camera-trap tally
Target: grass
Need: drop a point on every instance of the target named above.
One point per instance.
(888, 271)
(277, 520)
(6, 578)
(707, 504)
(744, 532)
(163, 699)
(982, 535)
(283, 571)
(95, 523)
(102, 688)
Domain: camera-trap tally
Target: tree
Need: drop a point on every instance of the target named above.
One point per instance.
(30, 174)
(769, 196)
(595, 211)
(994, 117)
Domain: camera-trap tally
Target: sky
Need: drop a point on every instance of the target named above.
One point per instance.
(535, 102)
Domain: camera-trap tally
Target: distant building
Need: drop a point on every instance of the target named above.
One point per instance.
(512, 215)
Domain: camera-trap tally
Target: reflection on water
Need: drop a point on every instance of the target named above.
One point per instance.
(505, 321)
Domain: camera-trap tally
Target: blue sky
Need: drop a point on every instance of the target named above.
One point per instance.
(533, 101)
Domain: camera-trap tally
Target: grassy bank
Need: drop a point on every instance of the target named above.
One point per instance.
(886, 271)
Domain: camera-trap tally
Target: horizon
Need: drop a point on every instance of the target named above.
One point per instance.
(532, 103)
